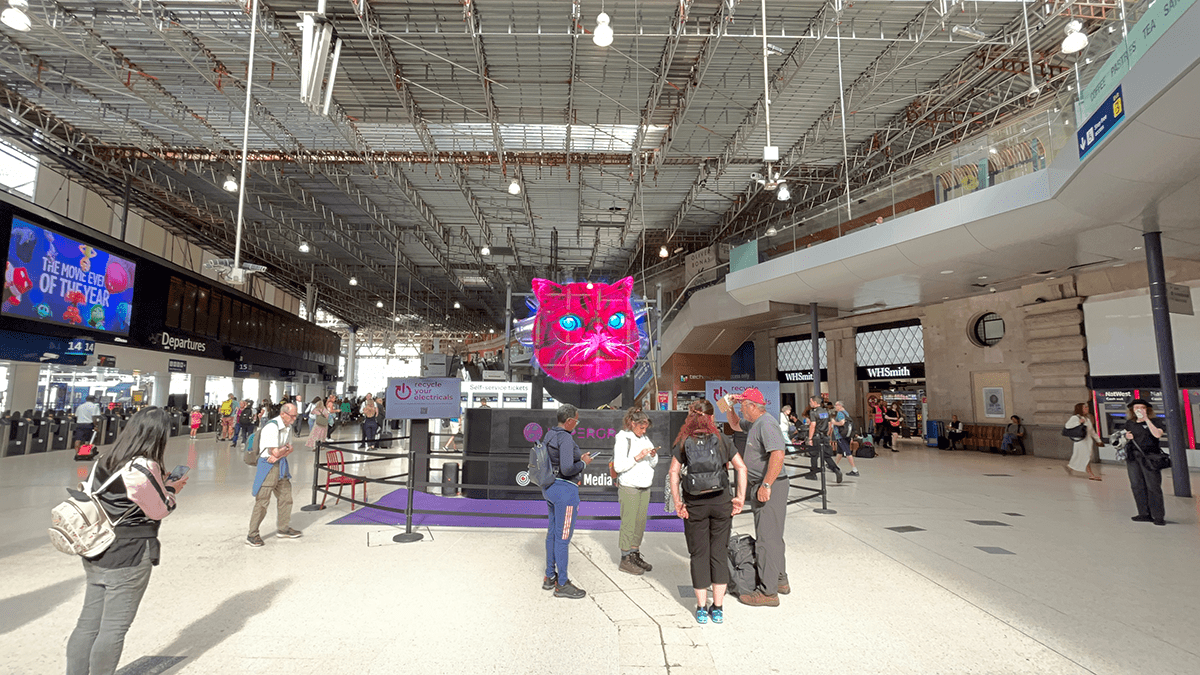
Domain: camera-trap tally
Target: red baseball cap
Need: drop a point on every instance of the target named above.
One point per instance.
(753, 395)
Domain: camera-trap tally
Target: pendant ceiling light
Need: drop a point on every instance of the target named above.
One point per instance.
(603, 35)
(1076, 39)
(15, 17)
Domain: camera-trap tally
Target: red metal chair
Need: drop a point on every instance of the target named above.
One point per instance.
(336, 462)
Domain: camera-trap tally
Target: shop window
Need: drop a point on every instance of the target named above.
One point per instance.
(902, 344)
(987, 330)
(797, 354)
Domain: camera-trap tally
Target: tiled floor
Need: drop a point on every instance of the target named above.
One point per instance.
(1084, 590)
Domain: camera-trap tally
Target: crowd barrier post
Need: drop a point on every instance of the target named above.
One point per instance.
(819, 461)
(418, 435)
(314, 506)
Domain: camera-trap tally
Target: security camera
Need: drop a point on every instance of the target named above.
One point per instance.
(757, 176)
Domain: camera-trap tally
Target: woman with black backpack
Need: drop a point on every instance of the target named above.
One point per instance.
(703, 501)
(137, 501)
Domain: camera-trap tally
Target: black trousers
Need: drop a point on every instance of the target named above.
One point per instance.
(706, 531)
(1147, 490)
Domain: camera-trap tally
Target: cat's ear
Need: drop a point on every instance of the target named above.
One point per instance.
(545, 287)
(624, 286)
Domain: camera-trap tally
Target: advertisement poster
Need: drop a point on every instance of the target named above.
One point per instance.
(52, 278)
(664, 400)
(715, 389)
(424, 398)
(993, 402)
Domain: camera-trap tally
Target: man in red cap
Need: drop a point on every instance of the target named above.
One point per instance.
(764, 460)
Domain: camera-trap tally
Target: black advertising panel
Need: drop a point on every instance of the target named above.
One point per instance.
(52, 278)
(507, 435)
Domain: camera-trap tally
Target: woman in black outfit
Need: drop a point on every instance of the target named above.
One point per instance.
(891, 425)
(1142, 436)
(707, 517)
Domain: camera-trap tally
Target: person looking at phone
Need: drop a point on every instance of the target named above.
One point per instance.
(274, 477)
(1144, 481)
(634, 458)
(562, 501)
(118, 577)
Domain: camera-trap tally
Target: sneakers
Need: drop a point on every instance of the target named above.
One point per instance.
(1160, 522)
(853, 473)
(839, 477)
(640, 561)
(254, 540)
(548, 583)
(701, 615)
(1142, 519)
(784, 587)
(569, 590)
(759, 599)
(715, 614)
(629, 566)
(289, 533)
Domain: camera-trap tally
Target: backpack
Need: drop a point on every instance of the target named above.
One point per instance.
(541, 471)
(80, 525)
(250, 456)
(847, 429)
(246, 416)
(706, 471)
(743, 576)
(866, 449)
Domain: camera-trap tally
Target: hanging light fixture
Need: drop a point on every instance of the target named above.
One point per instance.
(514, 188)
(771, 231)
(230, 183)
(603, 35)
(15, 17)
(457, 305)
(968, 32)
(379, 304)
(304, 246)
(663, 252)
(783, 194)
(1076, 39)
(486, 250)
(353, 281)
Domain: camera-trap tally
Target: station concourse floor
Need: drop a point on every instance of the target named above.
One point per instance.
(1015, 568)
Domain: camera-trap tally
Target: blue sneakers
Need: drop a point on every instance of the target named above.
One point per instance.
(717, 615)
(701, 615)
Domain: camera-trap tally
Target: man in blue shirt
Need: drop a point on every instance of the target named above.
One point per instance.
(562, 502)
(842, 431)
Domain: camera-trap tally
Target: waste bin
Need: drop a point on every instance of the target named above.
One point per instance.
(450, 479)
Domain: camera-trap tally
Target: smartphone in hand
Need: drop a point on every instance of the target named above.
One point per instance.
(178, 472)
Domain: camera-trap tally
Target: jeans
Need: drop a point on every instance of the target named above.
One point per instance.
(370, 427)
(110, 603)
(562, 504)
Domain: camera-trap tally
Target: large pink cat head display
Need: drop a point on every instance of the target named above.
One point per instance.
(585, 331)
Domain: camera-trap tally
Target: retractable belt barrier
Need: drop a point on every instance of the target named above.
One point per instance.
(407, 480)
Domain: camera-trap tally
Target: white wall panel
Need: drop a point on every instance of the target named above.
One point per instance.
(1120, 336)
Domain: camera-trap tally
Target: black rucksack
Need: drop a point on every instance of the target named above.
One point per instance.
(541, 471)
(706, 470)
(246, 417)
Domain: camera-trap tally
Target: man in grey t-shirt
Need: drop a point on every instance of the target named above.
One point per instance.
(764, 460)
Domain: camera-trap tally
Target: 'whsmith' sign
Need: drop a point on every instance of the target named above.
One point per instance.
(901, 371)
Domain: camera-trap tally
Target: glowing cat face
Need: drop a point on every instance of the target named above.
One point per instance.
(585, 331)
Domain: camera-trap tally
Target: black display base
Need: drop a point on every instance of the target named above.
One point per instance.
(408, 537)
(313, 507)
(824, 511)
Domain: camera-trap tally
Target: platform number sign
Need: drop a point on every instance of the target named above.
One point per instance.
(81, 346)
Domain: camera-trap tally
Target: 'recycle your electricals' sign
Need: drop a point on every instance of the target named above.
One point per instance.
(423, 398)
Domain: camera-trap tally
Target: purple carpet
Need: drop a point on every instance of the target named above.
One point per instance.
(463, 512)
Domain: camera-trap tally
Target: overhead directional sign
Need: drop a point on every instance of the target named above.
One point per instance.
(1101, 123)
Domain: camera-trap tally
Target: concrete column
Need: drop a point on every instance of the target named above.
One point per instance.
(351, 358)
(23, 380)
(162, 387)
(196, 390)
(841, 356)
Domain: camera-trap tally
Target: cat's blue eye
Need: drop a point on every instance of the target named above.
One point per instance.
(570, 322)
(616, 320)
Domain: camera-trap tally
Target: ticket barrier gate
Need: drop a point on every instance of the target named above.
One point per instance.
(39, 434)
(62, 430)
(16, 438)
(176, 422)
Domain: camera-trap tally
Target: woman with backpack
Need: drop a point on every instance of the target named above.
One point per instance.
(137, 501)
(634, 459)
(703, 501)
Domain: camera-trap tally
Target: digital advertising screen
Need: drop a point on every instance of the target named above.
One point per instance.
(54, 278)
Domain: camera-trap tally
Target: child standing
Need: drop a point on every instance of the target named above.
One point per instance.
(196, 416)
